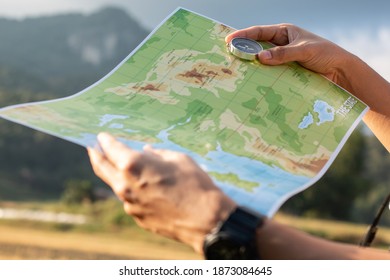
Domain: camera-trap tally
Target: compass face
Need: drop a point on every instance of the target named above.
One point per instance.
(245, 48)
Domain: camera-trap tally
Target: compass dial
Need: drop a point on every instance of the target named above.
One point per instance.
(245, 48)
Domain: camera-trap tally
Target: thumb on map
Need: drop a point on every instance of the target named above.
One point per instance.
(279, 55)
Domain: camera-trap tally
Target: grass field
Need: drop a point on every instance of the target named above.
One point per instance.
(20, 239)
(19, 242)
(108, 234)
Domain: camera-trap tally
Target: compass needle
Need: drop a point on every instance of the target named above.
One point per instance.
(245, 48)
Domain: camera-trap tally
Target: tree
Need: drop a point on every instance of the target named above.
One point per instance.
(333, 196)
(78, 191)
(377, 166)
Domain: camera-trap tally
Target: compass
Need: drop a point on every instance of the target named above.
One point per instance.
(244, 48)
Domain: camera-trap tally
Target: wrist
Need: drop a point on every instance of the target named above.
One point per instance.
(357, 77)
(219, 206)
(346, 72)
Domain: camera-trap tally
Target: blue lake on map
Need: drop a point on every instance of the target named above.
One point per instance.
(307, 121)
(324, 111)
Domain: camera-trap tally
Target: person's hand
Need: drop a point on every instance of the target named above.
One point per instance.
(295, 44)
(165, 191)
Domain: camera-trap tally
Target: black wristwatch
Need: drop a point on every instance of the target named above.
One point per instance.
(234, 238)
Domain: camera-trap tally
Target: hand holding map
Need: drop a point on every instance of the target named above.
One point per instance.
(158, 186)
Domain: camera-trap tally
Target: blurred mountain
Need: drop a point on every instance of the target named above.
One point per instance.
(67, 52)
(44, 58)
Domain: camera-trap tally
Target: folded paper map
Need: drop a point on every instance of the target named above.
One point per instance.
(263, 133)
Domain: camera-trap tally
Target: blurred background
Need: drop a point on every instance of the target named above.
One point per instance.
(51, 204)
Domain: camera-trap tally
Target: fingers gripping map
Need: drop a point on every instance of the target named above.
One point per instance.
(262, 132)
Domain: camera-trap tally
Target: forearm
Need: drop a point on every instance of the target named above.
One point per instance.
(277, 241)
(362, 81)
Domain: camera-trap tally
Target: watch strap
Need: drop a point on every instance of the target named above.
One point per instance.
(236, 235)
(242, 224)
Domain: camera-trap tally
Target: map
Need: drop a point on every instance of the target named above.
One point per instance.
(263, 133)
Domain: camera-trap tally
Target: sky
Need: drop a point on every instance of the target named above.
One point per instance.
(360, 26)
